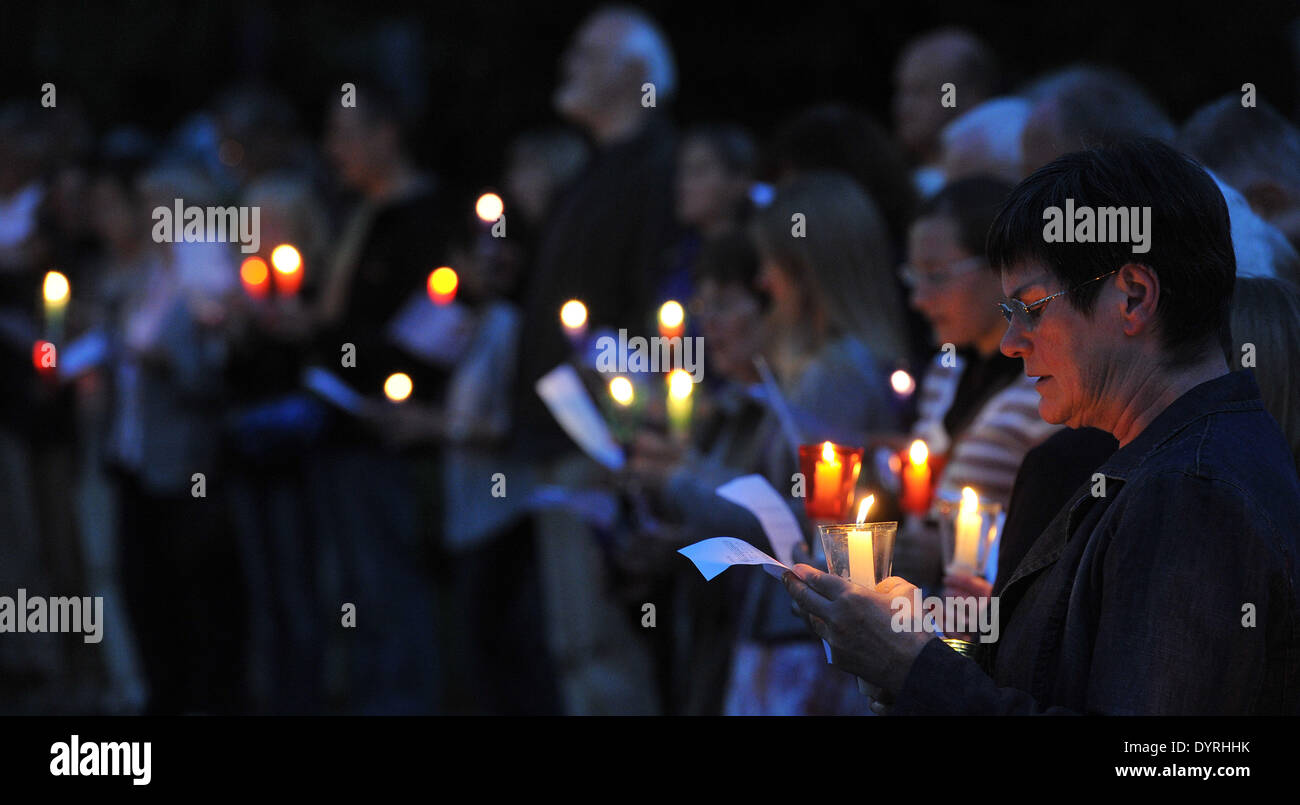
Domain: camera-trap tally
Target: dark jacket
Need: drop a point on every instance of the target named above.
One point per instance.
(1175, 593)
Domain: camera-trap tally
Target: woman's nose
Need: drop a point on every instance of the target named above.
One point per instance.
(1015, 344)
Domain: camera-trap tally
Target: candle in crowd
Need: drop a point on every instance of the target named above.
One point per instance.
(903, 383)
(398, 386)
(672, 319)
(55, 291)
(862, 553)
(443, 282)
(969, 531)
(620, 388)
(255, 277)
(916, 479)
(573, 315)
(489, 207)
(680, 387)
(287, 263)
(826, 480)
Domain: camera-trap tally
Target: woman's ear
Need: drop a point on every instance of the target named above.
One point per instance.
(1140, 289)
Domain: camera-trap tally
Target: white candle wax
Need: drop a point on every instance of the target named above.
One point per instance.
(862, 557)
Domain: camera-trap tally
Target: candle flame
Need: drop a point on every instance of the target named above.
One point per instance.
(489, 207)
(902, 382)
(443, 282)
(864, 507)
(620, 388)
(828, 453)
(286, 259)
(574, 314)
(680, 384)
(970, 502)
(671, 314)
(56, 287)
(919, 453)
(398, 386)
(253, 271)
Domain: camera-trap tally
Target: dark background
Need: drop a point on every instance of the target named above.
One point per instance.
(487, 69)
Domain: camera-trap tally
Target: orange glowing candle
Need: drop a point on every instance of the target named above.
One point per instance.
(287, 263)
(254, 275)
(916, 480)
(827, 477)
(672, 319)
(443, 282)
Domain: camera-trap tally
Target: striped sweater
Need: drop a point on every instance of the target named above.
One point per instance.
(987, 454)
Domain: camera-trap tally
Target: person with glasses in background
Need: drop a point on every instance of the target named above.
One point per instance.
(976, 406)
(1168, 584)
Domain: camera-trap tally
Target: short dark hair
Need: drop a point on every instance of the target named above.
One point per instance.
(1190, 239)
(972, 204)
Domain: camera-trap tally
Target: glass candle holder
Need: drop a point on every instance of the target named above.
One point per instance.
(969, 529)
(830, 474)
(863, 553)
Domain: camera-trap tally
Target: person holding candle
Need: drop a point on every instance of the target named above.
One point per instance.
(826, 347)
(975, 407)
(1132, 601)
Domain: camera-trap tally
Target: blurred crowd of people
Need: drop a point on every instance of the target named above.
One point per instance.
(263, 546)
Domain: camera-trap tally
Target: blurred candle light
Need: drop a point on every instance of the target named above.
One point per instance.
(573, 315)
(916, 479)
(680, 387)
(55, 291)
(255, 277)
(672, 319)
(903, 383)
(620, 388)
(443, 282)
(398, 386)
(489, 207)
(287, 263)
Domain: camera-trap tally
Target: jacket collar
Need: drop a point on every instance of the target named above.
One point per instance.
(1234, 391)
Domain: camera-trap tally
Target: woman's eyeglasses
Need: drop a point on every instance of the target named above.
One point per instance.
(912, 278)
(1028, 315)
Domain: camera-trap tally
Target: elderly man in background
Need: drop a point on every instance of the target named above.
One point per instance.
(603, 243)
(945, 56)
(1174, 591)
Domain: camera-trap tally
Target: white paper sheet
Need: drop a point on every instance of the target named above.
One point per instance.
(334, 390)
(712, 556)
(437, 334)
(569, 403)
(754, 493)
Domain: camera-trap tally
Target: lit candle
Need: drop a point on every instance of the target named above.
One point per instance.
(827, 476)
(620, 388)
(862, 553)
(680, 386)
(916, 480)
(443, 282)
(672, 319)
(398, 387)
(903, 383)
(55, 290)
(489, 208)
(287, 263)
(255, 277)
(573, 315)
(969, 526)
